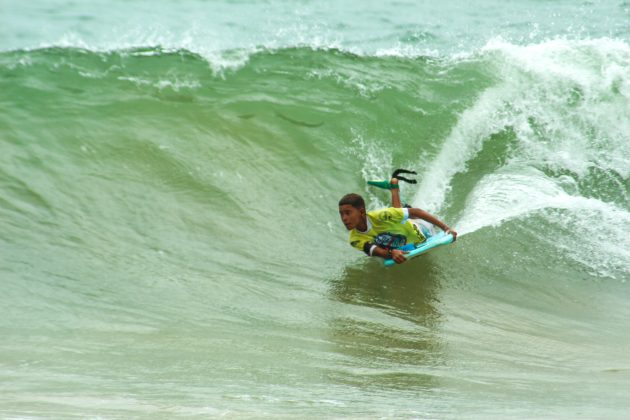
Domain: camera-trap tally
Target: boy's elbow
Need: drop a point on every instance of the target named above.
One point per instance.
(416, 213)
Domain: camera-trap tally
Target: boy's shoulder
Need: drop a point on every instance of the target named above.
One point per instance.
(387, 214)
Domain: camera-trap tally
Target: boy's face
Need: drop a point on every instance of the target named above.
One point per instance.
(351, 216)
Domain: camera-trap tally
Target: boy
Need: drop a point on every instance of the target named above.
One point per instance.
(383, 232)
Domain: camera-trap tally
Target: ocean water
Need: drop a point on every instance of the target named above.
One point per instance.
(170, 245)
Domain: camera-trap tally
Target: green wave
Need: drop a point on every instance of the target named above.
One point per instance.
(142, 138)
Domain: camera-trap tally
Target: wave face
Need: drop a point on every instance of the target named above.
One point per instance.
(171, 244)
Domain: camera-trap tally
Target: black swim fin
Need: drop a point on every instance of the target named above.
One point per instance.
(397, 173)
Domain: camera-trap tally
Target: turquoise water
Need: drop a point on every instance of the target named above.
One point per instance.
(169, 238)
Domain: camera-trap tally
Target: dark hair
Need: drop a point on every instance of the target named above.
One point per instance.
(355, 200)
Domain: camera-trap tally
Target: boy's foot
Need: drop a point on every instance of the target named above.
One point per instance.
(393, 183)
(386, 185)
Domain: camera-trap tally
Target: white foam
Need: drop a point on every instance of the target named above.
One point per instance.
(597, 237)
(377, 163)
(474, 126)
(507, 195)
(176, 84)
(566, 102)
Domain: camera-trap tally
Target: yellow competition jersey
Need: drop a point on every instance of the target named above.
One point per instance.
(387, 228)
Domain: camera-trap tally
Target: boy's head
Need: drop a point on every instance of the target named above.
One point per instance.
(352, 210)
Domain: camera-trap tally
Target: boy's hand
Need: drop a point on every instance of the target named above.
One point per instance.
(399, 256)
(452, 232)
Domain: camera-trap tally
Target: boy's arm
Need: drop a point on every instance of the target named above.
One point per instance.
(372, 250)
(415, 213)
(395, 254)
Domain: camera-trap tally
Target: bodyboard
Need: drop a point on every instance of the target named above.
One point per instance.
(434, 241)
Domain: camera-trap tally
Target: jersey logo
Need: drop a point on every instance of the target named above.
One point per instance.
(390, 240)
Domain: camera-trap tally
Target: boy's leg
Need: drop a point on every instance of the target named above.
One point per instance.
(395, 194)
(392, 185)
(389, 185)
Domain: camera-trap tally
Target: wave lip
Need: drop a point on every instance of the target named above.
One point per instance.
(561, 99)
